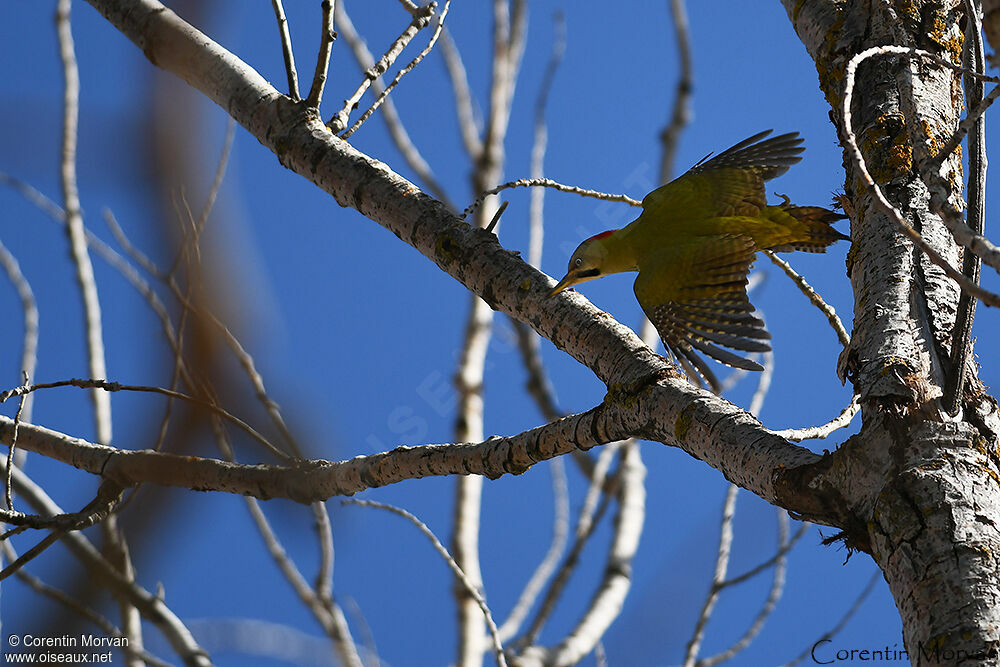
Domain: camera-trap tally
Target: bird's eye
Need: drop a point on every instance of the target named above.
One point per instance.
(578, 262)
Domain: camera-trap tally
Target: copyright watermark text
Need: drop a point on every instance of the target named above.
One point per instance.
(824, 652)
(84, 649)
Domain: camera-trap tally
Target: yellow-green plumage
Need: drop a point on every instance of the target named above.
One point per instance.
(694, 244)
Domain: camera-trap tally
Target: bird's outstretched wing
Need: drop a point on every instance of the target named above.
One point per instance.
(730, 183)
(695, 295)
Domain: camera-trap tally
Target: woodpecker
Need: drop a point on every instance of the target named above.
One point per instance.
(693, 246)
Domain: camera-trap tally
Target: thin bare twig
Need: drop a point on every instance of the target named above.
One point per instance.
(539, 386)
(220, 173)
(472, 588)
(972, 116)
(420, 20)
(718, 577)
(869, 587)
(108, 254)
(813, 296)
(763, 382)
(973, 112)
(175, 379)
(596, 488)
(411, 7)
(818, 432)
(117, 386)
(107, 496)
(496, 217)
(600, 657)
(191, 251)
(29, 348)
(137, 255)
(257, 380)
(779, 554)
(34, 197)
(681, 114)
(536, 225)
(393, 122)
(367, 637)
(560, 535)
(286, 50)
(188, 244)
(607, 601)
(399, 75)
(326, 611)
(98, 509)
(13, 444)
(324, 574)
(17, 564)
(547, 183)
(74, 222)
(323, 58)
(590, 517)
(777, 587)
(145, 290)
(469, 123)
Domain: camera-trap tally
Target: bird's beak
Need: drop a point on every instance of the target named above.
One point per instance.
(571, 278)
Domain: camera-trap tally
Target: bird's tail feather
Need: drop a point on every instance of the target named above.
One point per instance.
(811, 227)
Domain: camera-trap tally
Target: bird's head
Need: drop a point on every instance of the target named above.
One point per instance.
(586, 263)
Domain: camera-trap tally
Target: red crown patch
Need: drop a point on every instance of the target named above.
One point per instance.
(602, 234)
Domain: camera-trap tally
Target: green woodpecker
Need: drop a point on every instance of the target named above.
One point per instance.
(694, 243)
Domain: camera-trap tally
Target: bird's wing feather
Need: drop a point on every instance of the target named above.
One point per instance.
(730, 183)
(695, 295)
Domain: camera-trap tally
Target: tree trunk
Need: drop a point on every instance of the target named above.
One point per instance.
(917, 489)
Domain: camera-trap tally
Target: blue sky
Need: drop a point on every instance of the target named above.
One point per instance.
(356, 334)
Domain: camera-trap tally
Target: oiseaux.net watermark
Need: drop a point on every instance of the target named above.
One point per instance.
(83, 649)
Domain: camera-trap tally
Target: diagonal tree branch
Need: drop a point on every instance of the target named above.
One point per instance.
(647, 393)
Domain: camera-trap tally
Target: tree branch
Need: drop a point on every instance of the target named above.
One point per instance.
(961, 342)
(669, 410)
(286, 49)
(323, 57)
(309, 481)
